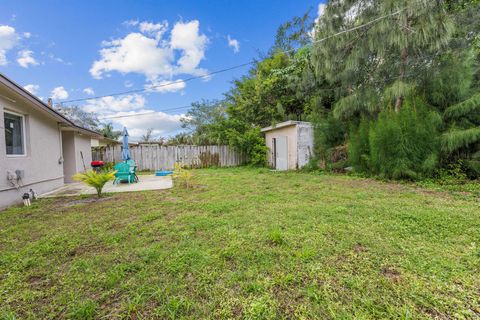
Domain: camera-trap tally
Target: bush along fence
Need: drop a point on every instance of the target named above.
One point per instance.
(156, 157)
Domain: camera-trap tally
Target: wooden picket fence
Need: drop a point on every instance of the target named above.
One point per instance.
(156, 157)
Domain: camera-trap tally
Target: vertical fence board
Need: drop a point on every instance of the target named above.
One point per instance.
(156, 157)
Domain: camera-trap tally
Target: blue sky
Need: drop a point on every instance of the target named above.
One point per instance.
(79, 49)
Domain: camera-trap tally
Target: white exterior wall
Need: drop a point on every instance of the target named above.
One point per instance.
(83, 146)
(69, 162)
(95, 143)
(291, 133)
(305, 140)
(73, 144)
(42, 170)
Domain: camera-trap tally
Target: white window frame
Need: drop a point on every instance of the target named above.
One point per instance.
(24, 135)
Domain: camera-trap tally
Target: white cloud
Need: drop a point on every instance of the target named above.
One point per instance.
(8, 40)
(89, 91)
(32, 88)
(321, 10)
(356, 9)
(164, 86)
(110, 108)
(25, 58)
(59, 93)
(162, 124)
(27, 35)
(107, 106)
(234, 44)
(154, 29)
(186, 37)
(151, 53)
(58, 59)
(135, 53)
(130, 23)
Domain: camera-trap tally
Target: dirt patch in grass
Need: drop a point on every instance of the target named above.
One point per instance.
(35, 280)
(367, 183)
(359, 248)
(86, 249)
(430, 192)
(391, 186)
(84, 201)
(434, 314)
(391, 273)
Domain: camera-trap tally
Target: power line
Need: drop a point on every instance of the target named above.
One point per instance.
(149, 88)
(141, 114)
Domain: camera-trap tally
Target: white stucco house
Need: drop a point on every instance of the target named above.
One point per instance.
(40, 149)
(104, 142)
(290, 144)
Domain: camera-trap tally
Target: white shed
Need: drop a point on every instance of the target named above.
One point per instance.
(290, 144)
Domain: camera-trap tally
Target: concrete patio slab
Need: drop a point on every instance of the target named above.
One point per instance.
(147, 182)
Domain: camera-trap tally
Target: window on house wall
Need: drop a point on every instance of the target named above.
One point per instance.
(14, 134)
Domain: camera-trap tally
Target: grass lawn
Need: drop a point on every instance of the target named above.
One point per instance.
(245, 243)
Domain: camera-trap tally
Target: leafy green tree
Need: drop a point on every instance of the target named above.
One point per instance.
(180, 139)
(148, 136)
(80, 117)
(108, 131)
(245, 138)
(263, 97)
(201, 121)
(293, 34)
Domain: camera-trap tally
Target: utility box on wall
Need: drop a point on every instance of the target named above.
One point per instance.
(20, 173)
(290, 144)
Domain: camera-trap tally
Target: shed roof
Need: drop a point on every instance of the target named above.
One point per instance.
(285, 124)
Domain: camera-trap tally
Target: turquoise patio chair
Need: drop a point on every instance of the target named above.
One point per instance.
(133, 168)
(123, 173)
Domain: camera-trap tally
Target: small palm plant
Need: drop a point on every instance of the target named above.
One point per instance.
(94, 179)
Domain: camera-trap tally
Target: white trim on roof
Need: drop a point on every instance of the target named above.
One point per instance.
(42, 106)
(285, 124)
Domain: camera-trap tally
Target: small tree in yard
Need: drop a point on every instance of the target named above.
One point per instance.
(94, 179)
(183, 176)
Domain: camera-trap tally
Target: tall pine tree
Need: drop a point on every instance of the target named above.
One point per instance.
(377, 63)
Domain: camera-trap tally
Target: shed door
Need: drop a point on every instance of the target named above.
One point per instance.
(281, 153)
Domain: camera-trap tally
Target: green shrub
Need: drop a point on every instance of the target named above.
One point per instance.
(312, 165)
(329, 132)
(451, 174)
(473, 168)
(252, 143)
(403, 145)
(387, 150)
(359, 147)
